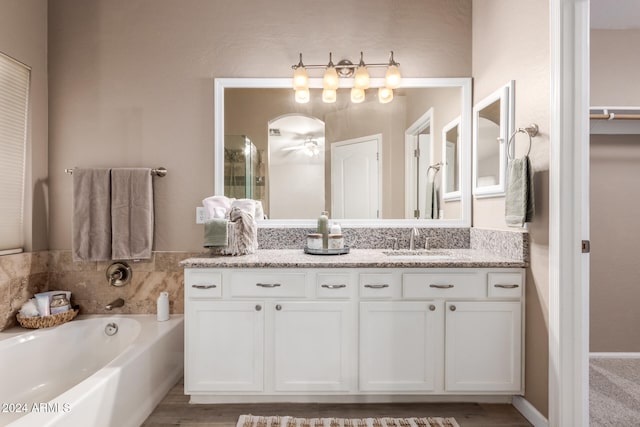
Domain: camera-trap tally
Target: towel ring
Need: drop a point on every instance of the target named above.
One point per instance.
(531, 131)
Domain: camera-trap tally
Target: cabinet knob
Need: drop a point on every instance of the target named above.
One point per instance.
(432, 307)
(452, 307)
(278, 307)
(258, 307)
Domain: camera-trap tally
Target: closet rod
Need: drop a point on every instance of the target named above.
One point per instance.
(614, 116)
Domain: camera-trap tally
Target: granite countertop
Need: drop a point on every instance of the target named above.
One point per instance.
(368, 258)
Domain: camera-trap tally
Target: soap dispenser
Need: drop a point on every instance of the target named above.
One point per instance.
(323, 228)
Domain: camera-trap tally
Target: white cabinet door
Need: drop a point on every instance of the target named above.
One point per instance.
(400, 345)
(224, 346)
(483, 346)
(312, 345)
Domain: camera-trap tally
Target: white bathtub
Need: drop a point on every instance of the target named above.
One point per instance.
(75, 375)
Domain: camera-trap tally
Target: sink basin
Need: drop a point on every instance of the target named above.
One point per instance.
(420, 254)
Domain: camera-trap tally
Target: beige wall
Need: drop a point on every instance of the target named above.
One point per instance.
(132, 81)
(23, 36)
(511, 42)
(614, 67)
(614, 269)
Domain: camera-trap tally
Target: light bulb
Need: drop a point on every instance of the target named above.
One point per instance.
(302, 96)
(329, 96)
(357, 95)
(330, 81)
(392, 77)
(361, 79)
(385, 95)
(300, 78)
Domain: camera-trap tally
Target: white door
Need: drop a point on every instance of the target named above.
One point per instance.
(483, 346)
(355, 178)
(224, 346)
(313, 343)
(400, 345)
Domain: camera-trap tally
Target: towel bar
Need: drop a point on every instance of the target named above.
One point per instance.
(161, 171)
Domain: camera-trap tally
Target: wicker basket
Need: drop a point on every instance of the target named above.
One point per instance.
(46, 321)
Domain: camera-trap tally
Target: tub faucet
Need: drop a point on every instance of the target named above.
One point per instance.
(115, 303)
(412, 239)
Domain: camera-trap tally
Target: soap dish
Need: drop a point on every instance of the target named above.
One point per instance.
(340, 251)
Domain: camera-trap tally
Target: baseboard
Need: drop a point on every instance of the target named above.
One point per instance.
(614, 355)
(529, 412)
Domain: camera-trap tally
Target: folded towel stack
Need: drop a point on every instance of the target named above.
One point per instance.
(232, 228)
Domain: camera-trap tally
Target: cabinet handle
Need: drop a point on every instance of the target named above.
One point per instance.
(334, 286)
(278, 307)
(381, 286)
(452, 307)
(432, 307)
(258, 307)
(268, 285)
(507, 286)
(441, 286)
(204, 286)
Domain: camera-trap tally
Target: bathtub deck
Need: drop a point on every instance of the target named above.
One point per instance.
(175, 410)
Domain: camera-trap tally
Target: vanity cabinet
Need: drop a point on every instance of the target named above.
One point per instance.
(256, 335)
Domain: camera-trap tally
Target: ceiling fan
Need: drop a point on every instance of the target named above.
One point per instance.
(310, 146)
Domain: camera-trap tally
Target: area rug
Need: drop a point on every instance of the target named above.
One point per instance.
(258, 421)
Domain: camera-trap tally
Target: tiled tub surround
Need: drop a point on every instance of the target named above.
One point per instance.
(22, 275)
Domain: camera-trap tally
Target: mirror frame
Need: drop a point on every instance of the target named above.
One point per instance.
(506, 96)
(464, 173)
(220, 84)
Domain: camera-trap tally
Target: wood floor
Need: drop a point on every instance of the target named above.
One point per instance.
(175, 410)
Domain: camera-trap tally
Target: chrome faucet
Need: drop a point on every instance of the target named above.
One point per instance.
(115, 303)
(412, 239)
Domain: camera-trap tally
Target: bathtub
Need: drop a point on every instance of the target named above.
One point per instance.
(76, 375)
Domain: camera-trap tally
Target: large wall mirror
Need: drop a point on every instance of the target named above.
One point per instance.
(492, 125)
(366, 163)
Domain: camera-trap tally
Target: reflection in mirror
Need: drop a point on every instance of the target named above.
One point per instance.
(492, 123)
(357, 161)
(241, 168)
(451, 159)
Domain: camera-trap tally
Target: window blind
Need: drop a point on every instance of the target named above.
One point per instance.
(14, 105)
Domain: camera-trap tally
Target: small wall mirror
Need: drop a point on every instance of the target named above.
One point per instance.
(492, 125)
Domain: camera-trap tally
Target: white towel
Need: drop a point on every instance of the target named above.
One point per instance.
(246, 205)
(217, 206)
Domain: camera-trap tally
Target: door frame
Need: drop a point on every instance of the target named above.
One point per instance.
(569, 213)
(411, 181)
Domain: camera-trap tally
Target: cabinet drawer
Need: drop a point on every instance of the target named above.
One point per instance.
(267, 284)
(449, 285)
(505, 285)
(376, 285)
(333, 285)
(203, 284)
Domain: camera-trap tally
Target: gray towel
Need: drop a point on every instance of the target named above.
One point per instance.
(519, 204)
(131, 213)
(215, 233)
(91, 215)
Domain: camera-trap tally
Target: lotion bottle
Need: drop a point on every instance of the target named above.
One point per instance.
(323, 228)
(163, 306)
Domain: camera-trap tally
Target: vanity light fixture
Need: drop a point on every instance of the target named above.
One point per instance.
(346, 69)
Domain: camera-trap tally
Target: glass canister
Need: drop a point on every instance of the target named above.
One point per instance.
(314, 241)
(336, 241)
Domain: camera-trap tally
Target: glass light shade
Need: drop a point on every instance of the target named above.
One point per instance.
(329, 96)
(357, 95)
(385, 95)
(392, 78)
(302, 96)
(330, 81)
(361, 79)
(300, 78)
